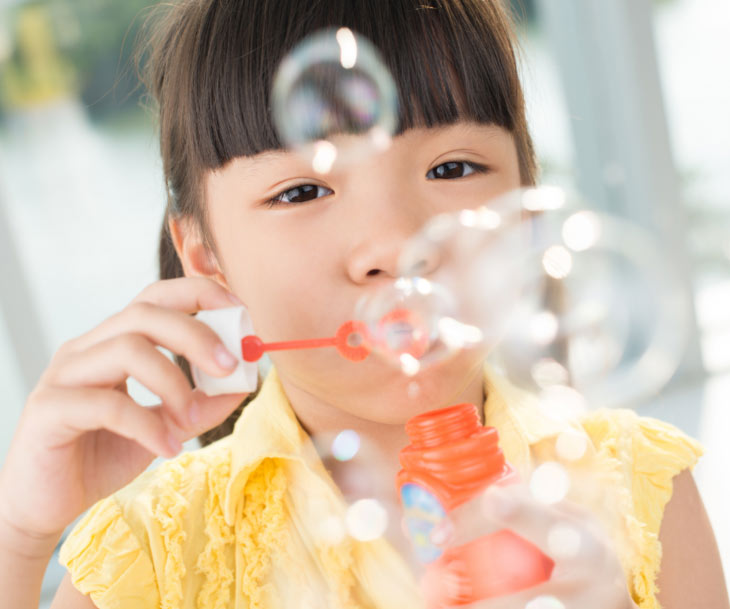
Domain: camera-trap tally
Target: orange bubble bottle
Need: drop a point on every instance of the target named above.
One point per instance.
(450, 460)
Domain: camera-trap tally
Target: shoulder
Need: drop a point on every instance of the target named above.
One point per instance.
(123, 542)
(653, 449)
(648, 457)
(691, 569)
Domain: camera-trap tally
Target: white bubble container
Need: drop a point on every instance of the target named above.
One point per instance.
(231, 325)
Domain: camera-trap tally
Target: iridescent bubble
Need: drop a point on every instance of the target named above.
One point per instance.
(473, 255)
(334, 99)
(561, 297)
(411, 323)
(596, 305)
(549, 483)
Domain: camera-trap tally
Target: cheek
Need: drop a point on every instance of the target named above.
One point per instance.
(285, 287)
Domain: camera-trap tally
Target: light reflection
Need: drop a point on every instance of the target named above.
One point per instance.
(348, 47)
(366, 520)
(549, 483)
(581, 231)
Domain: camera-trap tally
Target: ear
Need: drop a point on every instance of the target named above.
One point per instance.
(196, 257)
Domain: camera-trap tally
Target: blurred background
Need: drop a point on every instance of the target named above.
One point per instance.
(627, 103)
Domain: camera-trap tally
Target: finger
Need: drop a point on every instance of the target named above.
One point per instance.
(68, 412)
(111, 362)
(188, 294)
(171, 329)
(560, 530)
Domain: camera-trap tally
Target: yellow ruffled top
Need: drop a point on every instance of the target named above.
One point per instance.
(239, 524)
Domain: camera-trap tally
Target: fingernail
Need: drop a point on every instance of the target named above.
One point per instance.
(235, 299)
(174, 444)
(225, 358)
(194, 413)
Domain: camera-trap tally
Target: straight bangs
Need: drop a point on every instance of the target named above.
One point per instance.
(451, 60)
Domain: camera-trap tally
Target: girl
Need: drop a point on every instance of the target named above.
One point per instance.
(237, 523)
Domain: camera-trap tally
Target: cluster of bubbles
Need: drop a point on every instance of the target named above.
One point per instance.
(355, 466)
(576, 306)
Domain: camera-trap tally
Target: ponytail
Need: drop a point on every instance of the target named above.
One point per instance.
(171, 268)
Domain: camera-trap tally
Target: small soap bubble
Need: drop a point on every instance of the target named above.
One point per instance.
(581, 231)
(346, 445)
(545, 602)
(334, 99)
(366, 520)
(571, 445)
(354, 463)
(557, 262)
(563, 541)
(549, 483)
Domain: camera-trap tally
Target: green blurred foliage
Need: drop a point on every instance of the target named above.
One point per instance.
(93, 44)
(99, 36)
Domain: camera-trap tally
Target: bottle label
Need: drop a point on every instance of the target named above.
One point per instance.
(423, 511)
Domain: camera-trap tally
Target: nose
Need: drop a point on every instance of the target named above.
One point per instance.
(375, 255)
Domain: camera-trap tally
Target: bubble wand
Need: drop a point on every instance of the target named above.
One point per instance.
(354, 341)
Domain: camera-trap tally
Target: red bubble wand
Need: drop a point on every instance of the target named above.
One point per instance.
(352, 340)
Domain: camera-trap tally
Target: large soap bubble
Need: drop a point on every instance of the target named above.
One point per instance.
(334, 99)
(577, 305)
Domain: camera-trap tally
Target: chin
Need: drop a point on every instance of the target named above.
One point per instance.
(391, 397)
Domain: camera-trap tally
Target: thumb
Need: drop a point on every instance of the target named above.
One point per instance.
(211, 411)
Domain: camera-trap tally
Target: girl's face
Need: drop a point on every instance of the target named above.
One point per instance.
(301, 248)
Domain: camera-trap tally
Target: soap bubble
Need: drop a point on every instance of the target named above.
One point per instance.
(600, 310)
(366, 519)
(549, 483)
(571, 445)
(563, 297)
(334, 99)
(346, 445)
(474, 253)
(411, 323)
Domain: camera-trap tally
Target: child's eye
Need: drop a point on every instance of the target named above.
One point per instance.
(454, 169)
(300, 194)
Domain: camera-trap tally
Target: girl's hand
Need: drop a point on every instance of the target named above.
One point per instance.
(81, 437)
(587, 572)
